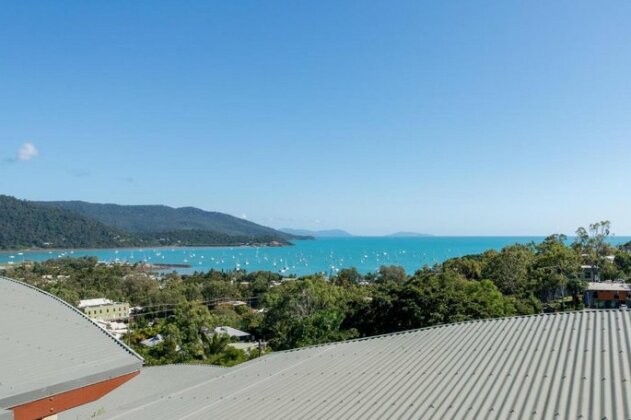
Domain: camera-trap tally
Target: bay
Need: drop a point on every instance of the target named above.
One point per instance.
(323, 255)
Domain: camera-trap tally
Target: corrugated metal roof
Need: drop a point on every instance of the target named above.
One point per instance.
(48, 347)
(232, 332)
(152, 383)
(568, 365)
(152, 341)
(609, 286)
(87, 303)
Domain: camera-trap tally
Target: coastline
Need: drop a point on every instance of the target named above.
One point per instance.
(324, 255)
(141, 248)
(616, 240)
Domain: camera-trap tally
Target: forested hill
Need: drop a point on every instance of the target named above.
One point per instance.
(76, 224)
(156, 218)
(24, 224)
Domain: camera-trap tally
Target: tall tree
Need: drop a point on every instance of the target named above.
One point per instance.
(554, 265)
(305, 312)
(592, 243)
(508, 269)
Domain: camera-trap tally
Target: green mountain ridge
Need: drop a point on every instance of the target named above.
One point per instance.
(26, 225)
(77, 224)
(160, 218)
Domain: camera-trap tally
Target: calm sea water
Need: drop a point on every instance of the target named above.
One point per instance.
(326, 255)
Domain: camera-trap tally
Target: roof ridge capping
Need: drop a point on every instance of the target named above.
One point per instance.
(77, 311)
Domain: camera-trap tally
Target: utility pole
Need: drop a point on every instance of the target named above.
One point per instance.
(129, 330)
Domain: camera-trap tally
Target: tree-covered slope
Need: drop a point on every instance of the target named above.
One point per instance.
(25, 224)
(156, 218)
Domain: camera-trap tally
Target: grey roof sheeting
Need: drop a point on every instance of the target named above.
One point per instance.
(568, 365)
(152, 383)
(232, 332)
(48, 347)
(6, 415)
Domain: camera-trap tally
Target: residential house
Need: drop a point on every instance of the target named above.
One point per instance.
(607, 294)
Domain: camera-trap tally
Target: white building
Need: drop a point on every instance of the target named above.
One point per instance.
(104, 309)
(117, 329)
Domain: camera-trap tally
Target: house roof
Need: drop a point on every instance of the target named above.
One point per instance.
(6, 415)
(87, 303)
(232, 303)
(566, 365)
(152, 383)
(246, 345)
(47, 347)
(152, 341)
(232, 332)
(609, 286)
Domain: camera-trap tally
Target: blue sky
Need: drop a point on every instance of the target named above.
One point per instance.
(455, 118)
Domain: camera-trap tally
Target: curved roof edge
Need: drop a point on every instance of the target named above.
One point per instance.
(50, 348)
(74, 309)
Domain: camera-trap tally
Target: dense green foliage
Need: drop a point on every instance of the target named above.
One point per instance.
(75, 224)
(24, 225)
(428, 299)
(295, 312)
(188, 338)
(310, 311)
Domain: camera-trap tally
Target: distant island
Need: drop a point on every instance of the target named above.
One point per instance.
(77, 224)
(408, 235)
(330, 233)
(339, 233)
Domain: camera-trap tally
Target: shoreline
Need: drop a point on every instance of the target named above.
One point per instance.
(325, 255)
(17, 250)
(617, 239)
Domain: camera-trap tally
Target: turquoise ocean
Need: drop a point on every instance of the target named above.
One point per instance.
(323, 255)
